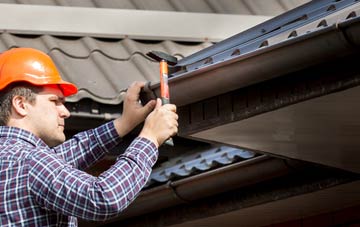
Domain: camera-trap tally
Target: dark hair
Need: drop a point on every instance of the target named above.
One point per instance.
(26, 90)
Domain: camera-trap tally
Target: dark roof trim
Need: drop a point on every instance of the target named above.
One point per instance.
(307, 192)
(264, 58)
(209, 183)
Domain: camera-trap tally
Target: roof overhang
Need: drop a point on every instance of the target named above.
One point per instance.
(264, 95)
(120, 23)
(264, 58)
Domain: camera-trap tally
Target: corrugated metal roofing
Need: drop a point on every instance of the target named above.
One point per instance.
(101, 68)
(304, 20)
(247, 7)
(184, 166)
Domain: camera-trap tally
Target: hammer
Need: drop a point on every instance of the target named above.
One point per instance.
(165, 60)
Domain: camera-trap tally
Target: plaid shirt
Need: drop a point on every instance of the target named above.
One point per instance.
(42, 186)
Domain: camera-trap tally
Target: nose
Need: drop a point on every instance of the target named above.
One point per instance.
(64, 112)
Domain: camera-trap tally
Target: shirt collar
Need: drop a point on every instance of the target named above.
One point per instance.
(21, 134)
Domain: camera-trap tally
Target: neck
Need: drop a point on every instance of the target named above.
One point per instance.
(20, 122)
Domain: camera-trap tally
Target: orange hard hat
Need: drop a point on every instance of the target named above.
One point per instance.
(32, 66)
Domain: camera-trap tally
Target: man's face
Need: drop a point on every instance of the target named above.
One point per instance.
(47, 116)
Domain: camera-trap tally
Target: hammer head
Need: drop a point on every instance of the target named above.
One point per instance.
(159, 56)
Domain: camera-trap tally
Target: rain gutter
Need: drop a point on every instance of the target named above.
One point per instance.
(262, 59)
(209, 183)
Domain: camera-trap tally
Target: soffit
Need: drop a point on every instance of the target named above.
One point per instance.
(303, 128)
(323, 130)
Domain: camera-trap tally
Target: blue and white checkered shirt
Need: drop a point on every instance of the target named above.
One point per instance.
(42, 186)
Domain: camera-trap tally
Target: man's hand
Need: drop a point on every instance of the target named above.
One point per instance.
(134, 113)
(161, 123)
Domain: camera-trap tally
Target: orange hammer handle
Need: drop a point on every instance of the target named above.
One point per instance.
(164, 86)
(164, 90)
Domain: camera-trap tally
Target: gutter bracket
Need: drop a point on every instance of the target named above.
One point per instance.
(170, 185)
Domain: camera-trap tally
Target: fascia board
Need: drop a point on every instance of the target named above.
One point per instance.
(227, 72)
(120, 23)
(254, 67)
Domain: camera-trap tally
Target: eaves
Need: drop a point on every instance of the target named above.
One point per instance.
(284, 92)
(103, 51)
(308, 35)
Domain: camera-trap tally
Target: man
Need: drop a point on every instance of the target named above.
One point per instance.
(41, 177)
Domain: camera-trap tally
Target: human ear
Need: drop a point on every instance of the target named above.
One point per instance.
(19, 105)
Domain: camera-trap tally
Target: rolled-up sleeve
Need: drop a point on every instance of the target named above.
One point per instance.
(58, 186)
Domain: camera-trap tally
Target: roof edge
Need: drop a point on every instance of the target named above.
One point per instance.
(209, 183)
(228, 71)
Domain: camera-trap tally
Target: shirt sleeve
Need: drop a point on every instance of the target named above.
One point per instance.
(60, 187)
(86, 148)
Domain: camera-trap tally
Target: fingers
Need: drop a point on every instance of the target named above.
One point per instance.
(174, 125)
(170, 119)
(161, 120)
(133, 112)
(158, 103)
(137, 85)
(161, 123)
(170, 107)
(134, 90)
(149, 107)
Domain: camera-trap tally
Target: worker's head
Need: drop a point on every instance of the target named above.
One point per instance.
(32, 94)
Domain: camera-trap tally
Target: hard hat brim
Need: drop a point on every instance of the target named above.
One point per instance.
(67, 88)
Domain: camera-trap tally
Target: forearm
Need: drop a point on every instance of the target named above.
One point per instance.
(102, 197)
(86, 148)
(122, 127)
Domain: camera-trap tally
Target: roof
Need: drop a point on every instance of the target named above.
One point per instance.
(94, 64)
(99, 61)
(93, 60)
(279, 87)
(197, 162)
(104, 64)
(276, 47)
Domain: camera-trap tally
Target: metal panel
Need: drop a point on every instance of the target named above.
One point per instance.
(101, 68)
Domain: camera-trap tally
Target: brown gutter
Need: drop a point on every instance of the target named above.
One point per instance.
(209, 183)
(231, 70)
